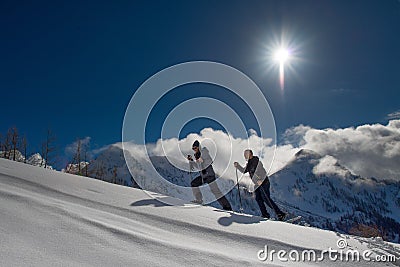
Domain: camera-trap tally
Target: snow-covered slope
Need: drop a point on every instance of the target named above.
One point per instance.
(111, 163)
(50, 218)
(325, 193)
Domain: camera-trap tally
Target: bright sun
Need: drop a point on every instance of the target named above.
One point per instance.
(282, 55)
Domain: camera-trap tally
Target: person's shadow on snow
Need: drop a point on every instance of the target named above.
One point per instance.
(239, 218)
(149, 202)
(160, 201)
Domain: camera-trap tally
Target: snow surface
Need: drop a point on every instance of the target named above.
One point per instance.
(326, 194)
(49, 218)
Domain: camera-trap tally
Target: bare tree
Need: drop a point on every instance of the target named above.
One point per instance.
(42, 153)
(114, 179)
(78, 155)
(14, 142)
(76, 158)
(1, 143)
(80, 158)
(86, 162)
(100, 170)
(7, 145)
(48, 148)
(24, 147)
(86, 156)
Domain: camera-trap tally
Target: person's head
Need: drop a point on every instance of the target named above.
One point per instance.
(248, 154)
(196, 146)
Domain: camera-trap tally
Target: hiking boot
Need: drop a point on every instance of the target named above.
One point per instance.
(197, 201)
(282, 216)
(266, 216)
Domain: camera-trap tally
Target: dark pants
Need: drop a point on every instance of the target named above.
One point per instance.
(198, 181)
(263, 196)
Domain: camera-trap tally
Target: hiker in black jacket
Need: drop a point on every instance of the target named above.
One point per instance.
(203, 163)
(259, 177)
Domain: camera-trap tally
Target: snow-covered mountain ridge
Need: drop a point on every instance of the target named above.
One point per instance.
(35, 159)
(337, 199)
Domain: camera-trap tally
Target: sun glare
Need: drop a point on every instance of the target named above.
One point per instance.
(282, 55)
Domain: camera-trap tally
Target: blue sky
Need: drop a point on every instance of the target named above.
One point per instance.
(73, 66)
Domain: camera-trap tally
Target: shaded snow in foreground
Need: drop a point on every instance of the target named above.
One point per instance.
(50, 218)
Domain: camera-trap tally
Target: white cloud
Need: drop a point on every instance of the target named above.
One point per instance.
(367, 150)
(295, 135)
(329, 165)
(224, 149)
(393, 115)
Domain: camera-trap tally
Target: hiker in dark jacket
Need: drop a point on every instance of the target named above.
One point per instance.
(207, 175)
(259, 177)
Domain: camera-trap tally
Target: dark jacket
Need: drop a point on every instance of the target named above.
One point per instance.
(205, 167)
(255, 168)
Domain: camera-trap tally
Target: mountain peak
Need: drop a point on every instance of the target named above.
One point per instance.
(307, 153)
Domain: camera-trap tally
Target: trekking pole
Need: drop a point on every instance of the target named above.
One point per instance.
(240, 199)
(190, 171)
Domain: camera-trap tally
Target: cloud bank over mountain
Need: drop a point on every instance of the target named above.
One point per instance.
(370, 150)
